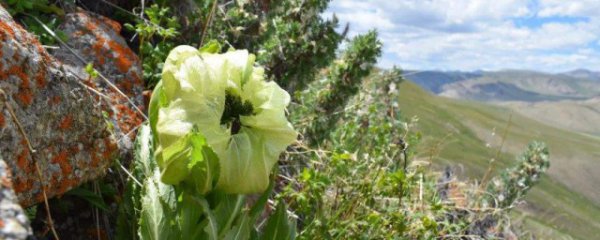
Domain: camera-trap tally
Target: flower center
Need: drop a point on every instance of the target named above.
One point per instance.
(234, 108)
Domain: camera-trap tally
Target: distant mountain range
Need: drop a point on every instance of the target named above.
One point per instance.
(584, 74)
(569, 100)
(510, 85)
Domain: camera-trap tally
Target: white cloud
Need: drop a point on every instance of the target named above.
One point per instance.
(478, 34)
(580, 8)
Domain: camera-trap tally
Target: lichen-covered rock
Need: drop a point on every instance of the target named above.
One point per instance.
(96, 40)
(60, 116)
(13, 221)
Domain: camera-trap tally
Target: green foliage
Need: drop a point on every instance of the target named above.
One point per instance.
(297, 42)
(49, 14)
(342, 83)
(157, 37)
(347, 73)
(514, 183)
(354, 188)
(170, 212)
(190, 160)
(89, 69)
(31, 212)
(90, 196)
(290, 38)
(278, 226)
(357, 190)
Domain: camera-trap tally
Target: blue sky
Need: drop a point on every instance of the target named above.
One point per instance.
(542, 35)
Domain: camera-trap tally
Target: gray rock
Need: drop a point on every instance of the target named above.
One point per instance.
(95, 39)
(13, 221)
(60, 116)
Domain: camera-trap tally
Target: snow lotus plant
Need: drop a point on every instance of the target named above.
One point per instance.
(220, 103)
(216, 130)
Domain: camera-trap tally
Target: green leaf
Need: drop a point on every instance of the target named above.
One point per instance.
(89, 196)
(89, 69)
(156, 200)
(190, 216)
(242, 230)
(212, 228)
(260, 204)
(212, 46)
(189, 159)
(203, 165)
(158, 211)
(174, 160)
(143, 166)
(227, 210)
(156, 101)
(278, 225)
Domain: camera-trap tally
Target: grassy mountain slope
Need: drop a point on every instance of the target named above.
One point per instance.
(467, 133)
(580, 116)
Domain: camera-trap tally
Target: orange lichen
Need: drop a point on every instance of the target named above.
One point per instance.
(74, 150)
(62, 160)
(25, 97)
(54, 183)
(7, 28)
(39, 198)
(23, 185)
(124, 61)
(136, 78)
(16, 57)
(95, 160)
(66, 122)
(23, 160)
(40, 77)
(127, 118)
(110, 148)
(66, 184)
(111, 23)
(91, 26)
(99, 50)
(18, 71)
(54, 100)
(2, 120)
(125, 86)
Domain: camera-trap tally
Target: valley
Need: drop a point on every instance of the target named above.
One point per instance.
(467, 134)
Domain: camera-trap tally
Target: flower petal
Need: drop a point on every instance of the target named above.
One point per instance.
(244, 166)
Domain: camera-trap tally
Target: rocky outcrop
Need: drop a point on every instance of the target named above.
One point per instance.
(59, 114)
(95, 39)
(13, 221)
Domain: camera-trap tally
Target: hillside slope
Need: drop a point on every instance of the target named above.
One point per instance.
(580, 116)
(509, 85)
(468, 134)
